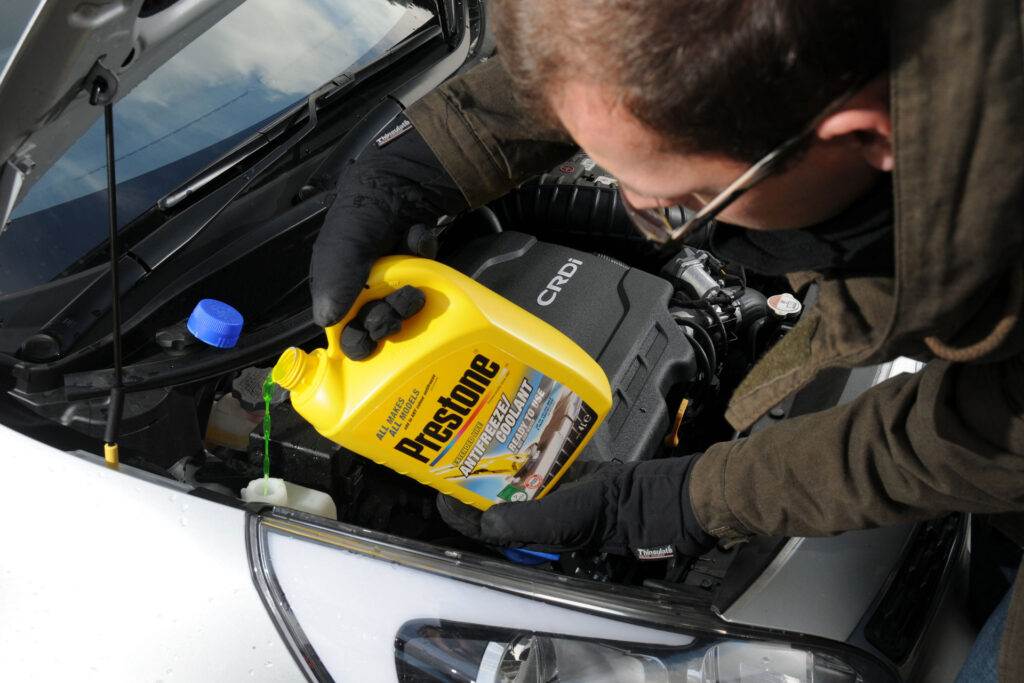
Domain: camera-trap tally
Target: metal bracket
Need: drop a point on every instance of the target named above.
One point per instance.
(101, 84)
(12, 176)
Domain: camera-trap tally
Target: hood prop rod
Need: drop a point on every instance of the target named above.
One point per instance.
(102, 86)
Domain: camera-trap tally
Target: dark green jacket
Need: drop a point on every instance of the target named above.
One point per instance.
(950, 437)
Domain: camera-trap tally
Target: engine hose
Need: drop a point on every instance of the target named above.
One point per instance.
(702, 359)
(578, 213)
(725, 335)
(710, 354)
(490, 218)
(707, 305)
(752, 332)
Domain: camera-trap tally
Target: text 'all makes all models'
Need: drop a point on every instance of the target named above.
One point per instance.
(453, 410)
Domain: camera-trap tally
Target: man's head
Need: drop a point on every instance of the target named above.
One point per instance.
(678, 97)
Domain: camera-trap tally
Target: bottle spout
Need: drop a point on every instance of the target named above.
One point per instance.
(293, 370)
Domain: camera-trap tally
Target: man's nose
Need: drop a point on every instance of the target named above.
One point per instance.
(639, 201)
(692, 201)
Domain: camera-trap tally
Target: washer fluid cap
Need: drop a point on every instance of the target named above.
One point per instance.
(216, 323)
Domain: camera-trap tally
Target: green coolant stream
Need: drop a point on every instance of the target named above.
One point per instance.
(268, 391)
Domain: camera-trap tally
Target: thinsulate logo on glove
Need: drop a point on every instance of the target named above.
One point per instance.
(394, 133)
(662, 552)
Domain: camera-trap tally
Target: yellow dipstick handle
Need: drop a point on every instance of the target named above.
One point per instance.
(672, 438)
(110, 454)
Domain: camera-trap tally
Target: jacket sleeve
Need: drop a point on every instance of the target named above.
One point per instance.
(475, 127)
(950, 437)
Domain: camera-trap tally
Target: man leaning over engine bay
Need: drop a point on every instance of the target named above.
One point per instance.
(896, 184)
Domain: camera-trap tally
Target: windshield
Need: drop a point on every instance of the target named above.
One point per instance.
(253, 65)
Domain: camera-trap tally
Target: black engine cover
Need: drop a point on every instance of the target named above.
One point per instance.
(619, 315)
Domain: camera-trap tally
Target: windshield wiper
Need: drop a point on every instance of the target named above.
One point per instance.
(228, 162)
(254, 145)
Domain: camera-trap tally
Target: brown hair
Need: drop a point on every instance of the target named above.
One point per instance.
(734, 77)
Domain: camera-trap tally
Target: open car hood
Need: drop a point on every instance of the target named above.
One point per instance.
(44, 87)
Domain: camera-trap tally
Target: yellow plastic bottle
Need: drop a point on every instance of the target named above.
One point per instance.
(474, 396)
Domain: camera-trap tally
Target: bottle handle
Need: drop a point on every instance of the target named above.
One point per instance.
(383, 283)
(334, 340)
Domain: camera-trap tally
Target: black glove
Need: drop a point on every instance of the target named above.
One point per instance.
(395, 184)
(639, 508)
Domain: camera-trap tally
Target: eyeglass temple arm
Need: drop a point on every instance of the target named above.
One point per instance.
(761, 169)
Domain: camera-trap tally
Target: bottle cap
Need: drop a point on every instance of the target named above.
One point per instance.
(215, 323)
(784, 305)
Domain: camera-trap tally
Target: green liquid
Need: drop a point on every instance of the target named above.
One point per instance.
(268, 391)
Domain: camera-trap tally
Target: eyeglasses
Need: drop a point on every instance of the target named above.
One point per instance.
(659, 224)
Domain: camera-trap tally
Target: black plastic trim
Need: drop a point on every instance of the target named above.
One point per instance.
(914, 581)
(201, 365)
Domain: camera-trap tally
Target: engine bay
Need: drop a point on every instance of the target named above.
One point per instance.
(673, 343)
(674, 333)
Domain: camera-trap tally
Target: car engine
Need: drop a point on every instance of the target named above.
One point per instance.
(673, 333)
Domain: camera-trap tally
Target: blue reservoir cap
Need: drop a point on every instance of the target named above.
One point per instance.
(215, 323)
(529, 557)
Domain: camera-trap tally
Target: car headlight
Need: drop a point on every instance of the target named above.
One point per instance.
(353, 604)
(428, 650)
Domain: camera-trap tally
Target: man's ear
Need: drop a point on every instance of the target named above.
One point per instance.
(864, 124)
